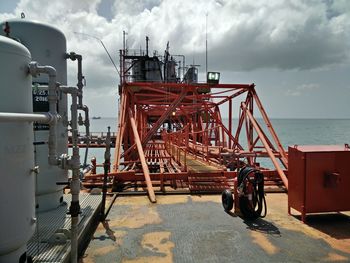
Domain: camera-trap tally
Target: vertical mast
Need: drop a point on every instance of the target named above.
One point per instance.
(206, 43)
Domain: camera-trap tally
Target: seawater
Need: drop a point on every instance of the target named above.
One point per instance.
(98, 126)
(290, 132)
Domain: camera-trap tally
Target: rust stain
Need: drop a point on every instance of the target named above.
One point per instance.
(136, 217)
(104, 228)
(262, 241)
(278, 213)
(335, 257)
(135, 200)
(206, 198)
(119, 235)
(170, 200)
(295, 225)
(144, 201)
(86, 260)
(158, 242)
(92, 252)
(100, 229)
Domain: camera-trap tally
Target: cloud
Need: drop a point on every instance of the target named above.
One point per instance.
(303, 88)
(134, 7)
(242, 35)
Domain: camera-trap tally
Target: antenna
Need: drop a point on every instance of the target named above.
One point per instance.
(103, 45)
(124, 33)
(206, 43)
(125, 42)
(147, 40)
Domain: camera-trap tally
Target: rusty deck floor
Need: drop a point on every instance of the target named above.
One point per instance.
(185, 228)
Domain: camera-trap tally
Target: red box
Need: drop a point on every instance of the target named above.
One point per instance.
(319, 179)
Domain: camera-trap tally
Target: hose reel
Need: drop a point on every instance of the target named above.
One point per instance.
(249, 198)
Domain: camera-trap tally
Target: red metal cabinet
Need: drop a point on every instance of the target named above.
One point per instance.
(319, 179)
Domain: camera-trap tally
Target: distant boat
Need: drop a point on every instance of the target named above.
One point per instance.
(96, 117)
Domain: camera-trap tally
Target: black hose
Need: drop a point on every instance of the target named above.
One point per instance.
(104, 191)
(253, 208)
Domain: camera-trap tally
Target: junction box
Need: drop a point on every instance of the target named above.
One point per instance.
(319, 179)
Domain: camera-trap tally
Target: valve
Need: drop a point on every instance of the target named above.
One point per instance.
(80, 120)
(36, 169)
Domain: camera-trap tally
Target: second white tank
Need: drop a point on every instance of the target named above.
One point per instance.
(48, 47)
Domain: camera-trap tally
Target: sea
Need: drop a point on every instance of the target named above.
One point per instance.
(290, 132)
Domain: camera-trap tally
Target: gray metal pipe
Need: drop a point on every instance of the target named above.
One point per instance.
(46, 118)
(35, 70)
(87, 132)
(74, 165)
(50, 118)
(74, 56)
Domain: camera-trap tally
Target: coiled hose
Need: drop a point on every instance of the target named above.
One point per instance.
(251, 190)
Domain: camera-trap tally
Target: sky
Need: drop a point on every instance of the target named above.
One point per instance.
(295, 51)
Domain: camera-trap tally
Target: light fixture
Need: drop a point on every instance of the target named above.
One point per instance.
(213, 77)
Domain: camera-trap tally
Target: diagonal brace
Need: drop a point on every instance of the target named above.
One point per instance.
(266, 145)
(165, 115)
(160, 121)
(145, 169)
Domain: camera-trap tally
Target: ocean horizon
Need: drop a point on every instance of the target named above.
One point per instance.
(291, 131)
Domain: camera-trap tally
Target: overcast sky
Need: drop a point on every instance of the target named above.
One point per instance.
(296, 52)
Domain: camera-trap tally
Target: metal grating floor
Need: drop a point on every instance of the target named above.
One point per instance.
(40, 247)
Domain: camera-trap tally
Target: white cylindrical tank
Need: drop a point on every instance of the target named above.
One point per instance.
(17, 191)
(47, 46)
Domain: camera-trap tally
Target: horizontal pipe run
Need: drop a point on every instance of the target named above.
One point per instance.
(29, 117)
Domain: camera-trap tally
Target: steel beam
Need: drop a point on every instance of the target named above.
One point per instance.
(150, 190)
(264, 142)
(284, 158)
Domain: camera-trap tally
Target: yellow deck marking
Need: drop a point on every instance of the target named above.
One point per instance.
(137, 217)
(156, 242)
(171, 199)
(335, 257)
(277, 211)
(134, 200)
(262, 241)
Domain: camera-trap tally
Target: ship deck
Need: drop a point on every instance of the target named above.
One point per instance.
(190, 228)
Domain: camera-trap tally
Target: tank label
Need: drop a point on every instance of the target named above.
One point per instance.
(40, 104)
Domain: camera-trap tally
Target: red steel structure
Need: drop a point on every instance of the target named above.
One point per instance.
(172, 134)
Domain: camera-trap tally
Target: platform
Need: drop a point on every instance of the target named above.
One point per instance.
(188, 228)
(198, 166)
(45, 247)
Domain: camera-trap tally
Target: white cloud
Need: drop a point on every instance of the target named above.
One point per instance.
(302, 89)
(134, 7)
(242, 35)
